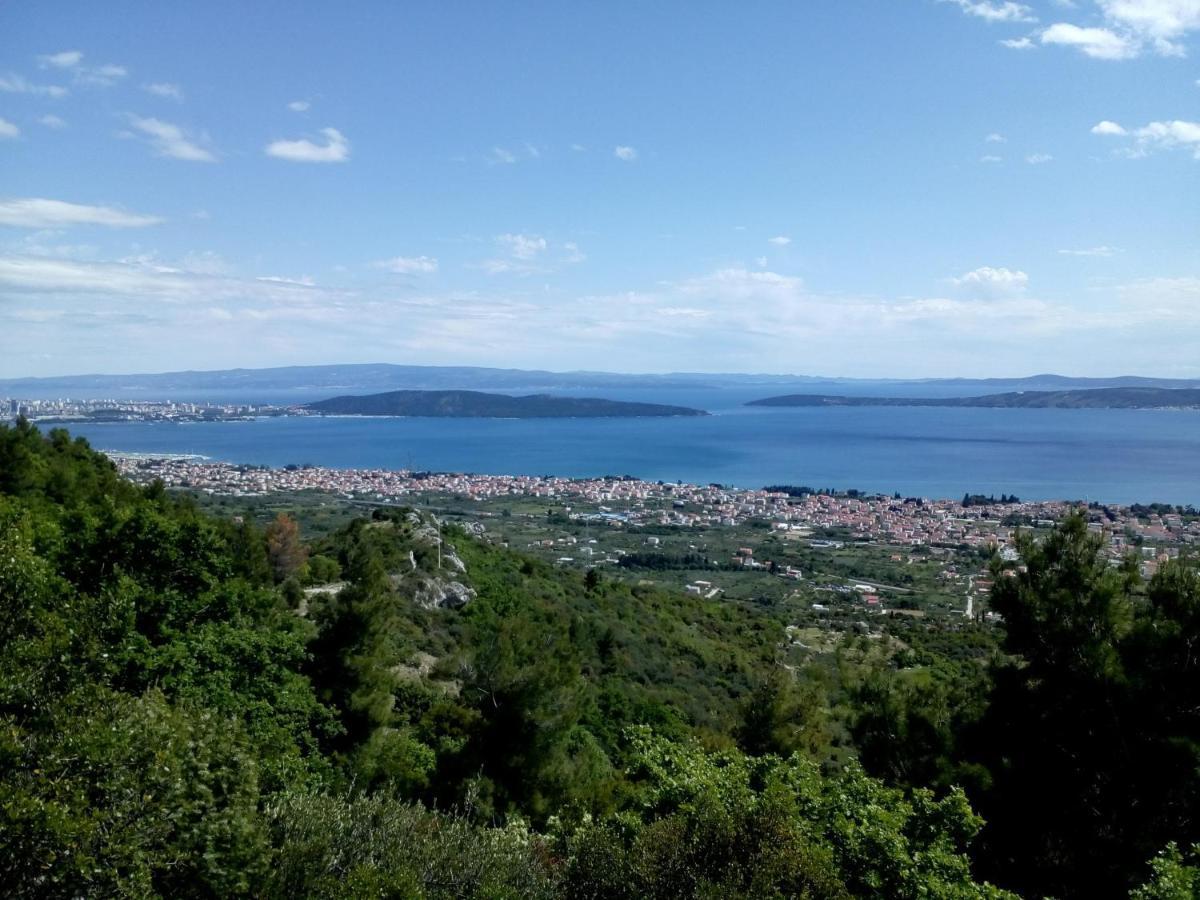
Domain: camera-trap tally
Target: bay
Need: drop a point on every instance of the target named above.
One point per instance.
(1115, 456)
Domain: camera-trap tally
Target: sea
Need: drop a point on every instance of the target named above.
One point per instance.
(1105, 455)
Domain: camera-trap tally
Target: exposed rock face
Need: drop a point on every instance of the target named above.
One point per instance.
(450, 560)
(440, 594)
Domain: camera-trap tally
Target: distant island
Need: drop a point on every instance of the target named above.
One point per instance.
(303, 384)
(1096, 398)
(476, 404)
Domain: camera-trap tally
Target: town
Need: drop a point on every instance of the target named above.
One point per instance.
(624, 502)
(66, 410)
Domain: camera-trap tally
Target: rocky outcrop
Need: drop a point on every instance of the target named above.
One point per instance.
(437, 593)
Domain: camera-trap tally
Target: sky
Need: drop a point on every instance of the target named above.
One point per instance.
(874, 188)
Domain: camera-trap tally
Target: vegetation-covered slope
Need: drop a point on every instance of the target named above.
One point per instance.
(190, 706)
(476, 404)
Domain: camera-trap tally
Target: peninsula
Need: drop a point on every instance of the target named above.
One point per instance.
(1097, 398)
(476, 404)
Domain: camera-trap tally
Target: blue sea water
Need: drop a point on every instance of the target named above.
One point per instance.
(1116, 456)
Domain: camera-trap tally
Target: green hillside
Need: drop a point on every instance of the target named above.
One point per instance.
(192, 706)
(476, 404)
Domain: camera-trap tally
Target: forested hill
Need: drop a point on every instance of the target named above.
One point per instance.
(476, 404)
(194, 706)
(1095, 398)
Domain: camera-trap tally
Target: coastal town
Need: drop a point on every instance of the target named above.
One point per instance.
(630, 503)
(62, 411)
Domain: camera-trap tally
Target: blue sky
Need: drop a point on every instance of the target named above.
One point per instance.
(888, 188)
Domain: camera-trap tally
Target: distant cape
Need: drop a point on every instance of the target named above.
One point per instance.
(476, 404)
(1096, 398)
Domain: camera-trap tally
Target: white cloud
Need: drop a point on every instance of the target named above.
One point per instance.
(1091, 251)
(336, 149)
(171, 140)
(779, 240)
(626, 154)
(523, 246)
(733, 319)
(573, 253)
(1156, 19)
(991, 158)
(409, 265)
(37, 212)
(994, 138)
(94, 76)
(299, 106)
(67, 59)
(1036, 159)
(18, 84)
(1021, 43)
(1132, 26)
(8, 131)
(990, 282)
(1164, 135)
(524, 255)
(1098, 43)
(52, 121)
(99, 76)
(1155, 136)
(164, 89)
(500, 155)
(761, 262)
(996, 10)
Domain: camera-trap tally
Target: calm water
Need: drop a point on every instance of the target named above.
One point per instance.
(1119, 456)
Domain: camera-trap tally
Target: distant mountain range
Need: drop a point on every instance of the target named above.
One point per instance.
(474, 404)
(1095, 398)
(303, 383)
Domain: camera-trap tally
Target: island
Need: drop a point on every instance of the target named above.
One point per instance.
(476, 404)
(1096, 398)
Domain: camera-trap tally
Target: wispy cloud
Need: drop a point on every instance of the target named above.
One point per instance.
(995, 138)
(522, 255)
(523, 246)
(19, 84)
(66, 59)
(52, 121)
(38, 212)
(170, 140)
(780, 240)
(164, 89)
(8, 131)
(625, 154)
(1037, 159)
(1021, 43)
(996, 10)
(92, 76)
(991, 159)
(409, 265)
(299, 106)
(1091, 251)
(336, 149)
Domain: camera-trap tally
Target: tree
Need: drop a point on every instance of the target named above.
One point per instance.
(1093, 725)
(284, 548)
